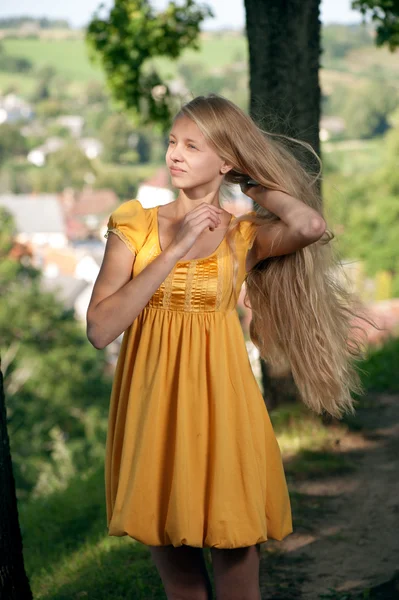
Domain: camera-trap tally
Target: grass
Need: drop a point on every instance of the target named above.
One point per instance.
(68, 57)
(71, 58)
(381, 368)
(299, 430)
(68, 553)
(318, 463)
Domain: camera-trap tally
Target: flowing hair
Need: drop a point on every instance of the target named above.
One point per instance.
(303, 313)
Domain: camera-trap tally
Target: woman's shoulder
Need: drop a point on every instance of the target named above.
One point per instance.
(130, 222)
(247, 227)
(128, 210)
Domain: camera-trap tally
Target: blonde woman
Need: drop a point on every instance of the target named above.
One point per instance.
(192, 461)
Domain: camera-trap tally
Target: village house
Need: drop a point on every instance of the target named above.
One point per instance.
(39, 219)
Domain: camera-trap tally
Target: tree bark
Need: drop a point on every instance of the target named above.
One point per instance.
(284, 61)
(14, 584)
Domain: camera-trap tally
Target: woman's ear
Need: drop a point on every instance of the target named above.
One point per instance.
(225, 169)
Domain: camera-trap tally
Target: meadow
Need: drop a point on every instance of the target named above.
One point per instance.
(70, 59)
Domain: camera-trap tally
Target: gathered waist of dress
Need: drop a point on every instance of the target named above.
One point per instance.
(179, 311)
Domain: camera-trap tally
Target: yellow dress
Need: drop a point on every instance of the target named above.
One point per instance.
(191, 457)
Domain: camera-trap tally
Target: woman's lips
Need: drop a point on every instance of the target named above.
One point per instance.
(176, 171)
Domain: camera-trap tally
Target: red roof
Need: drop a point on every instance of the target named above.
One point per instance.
(88, 202)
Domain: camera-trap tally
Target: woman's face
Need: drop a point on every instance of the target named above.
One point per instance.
(190, 160)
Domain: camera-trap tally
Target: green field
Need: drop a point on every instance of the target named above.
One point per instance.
(68, 57)
(71, 57)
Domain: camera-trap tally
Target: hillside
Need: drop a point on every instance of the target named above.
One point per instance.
(70, 59)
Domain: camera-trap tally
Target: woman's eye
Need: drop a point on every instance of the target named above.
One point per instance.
(191, 146)
(171, 142)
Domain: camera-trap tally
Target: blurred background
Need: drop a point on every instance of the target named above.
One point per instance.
(81, 132)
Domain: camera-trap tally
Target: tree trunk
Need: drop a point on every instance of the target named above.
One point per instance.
(284, 60)
(14, 584)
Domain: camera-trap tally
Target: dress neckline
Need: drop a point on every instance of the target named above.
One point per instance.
(190, 259)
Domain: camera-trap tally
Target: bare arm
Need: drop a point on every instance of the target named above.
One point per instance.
(300, 225)
(117, 299)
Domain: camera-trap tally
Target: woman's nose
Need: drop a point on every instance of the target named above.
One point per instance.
(175, 153)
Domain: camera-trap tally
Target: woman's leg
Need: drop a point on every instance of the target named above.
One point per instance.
(236, 573)
(183, 572)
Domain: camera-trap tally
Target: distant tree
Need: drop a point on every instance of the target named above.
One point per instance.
(12, 143)
(44, 78)
(115, 135)
(68, 167)
(121, 180)
(43, 23)
(49, 107)
(72, 165)
(338, 40)
(143, 147)
(385, 13)
(95, 92)
(367, 110)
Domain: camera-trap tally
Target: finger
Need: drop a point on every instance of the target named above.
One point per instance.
(201, 222)
(202, 211)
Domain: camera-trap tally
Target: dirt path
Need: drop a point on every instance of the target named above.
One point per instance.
(351, 542)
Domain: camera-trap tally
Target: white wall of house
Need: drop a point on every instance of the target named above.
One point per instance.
(150, 196)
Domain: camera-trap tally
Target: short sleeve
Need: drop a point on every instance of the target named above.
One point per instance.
(129, 223)
(248, 230)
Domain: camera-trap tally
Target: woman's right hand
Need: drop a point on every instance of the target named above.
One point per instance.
(194, 223)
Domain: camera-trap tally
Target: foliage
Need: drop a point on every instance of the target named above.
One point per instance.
(68, 167)
(133, 34)
(44, 76)
(339, 40)
(367, 110)
(12, 143)
(386, 14)
(361, 206)
(116, 135)
(56, 390)
(49, 107)
(379, 370)
(95, 93)
(123, 180)
(231, 80)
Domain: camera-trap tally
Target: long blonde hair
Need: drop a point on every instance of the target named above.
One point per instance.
(303, 314)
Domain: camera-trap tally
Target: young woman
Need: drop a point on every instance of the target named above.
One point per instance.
(192, 461)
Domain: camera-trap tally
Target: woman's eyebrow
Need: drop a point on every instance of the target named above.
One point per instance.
(186, 139)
